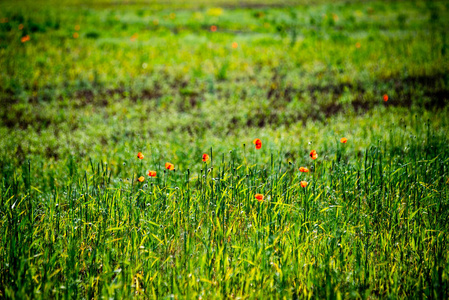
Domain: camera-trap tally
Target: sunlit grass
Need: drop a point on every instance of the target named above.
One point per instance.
(206, 210)
(374, 224)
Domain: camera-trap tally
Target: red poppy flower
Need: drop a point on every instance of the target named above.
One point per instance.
(343, 140)
(213, 28)
(205, 157)
(258, 143)
(304, 184)
(304, 170)
(152, 173)
(313, 154)
(25, 39)
(385, 97)
(169, 166)
(140, 155)
(259, 197)
(141, 178)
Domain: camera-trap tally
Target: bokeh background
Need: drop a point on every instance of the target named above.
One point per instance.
(104, 78)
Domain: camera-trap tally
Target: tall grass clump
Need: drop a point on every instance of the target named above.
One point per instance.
(370, 224)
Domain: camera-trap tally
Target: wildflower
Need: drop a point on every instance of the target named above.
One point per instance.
(25, 39)
(234, 45)
(385, 97)
(134, 37)
(343, 140)
(303, 170)
(20, 26)
(169, 166)
(205, 157)
(259, 197)
(313, 154)
(358, 45)
(258, 143)
(304, 184)
(213, 28)
(140, 155)
(152, 173)
(76, 35)
(141, 179)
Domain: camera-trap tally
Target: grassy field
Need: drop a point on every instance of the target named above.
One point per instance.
(85, 87)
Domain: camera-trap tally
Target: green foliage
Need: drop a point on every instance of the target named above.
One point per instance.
(98, 82)
(373, 224)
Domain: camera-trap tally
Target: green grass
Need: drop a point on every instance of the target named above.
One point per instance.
(149, 77)
(373, 225)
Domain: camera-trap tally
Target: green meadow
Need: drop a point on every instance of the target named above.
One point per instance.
(85, 86)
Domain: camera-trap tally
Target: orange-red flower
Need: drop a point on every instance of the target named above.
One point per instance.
(358, 45)
(169, 166)
(140, 155)
(20, 26)
(25, 38)
(313, 154)
(76, 35)
(385, 97)
(304, 170)
(304, 184)
(205, 157)
(259, 197)
(258, 143)
(141, 178)
(235, 45)
(152, 173)
(343, 140)
(213, 28)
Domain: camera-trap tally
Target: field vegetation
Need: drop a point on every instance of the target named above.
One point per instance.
(94, 96)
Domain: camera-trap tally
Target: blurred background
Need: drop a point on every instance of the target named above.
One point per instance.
(104, 79)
